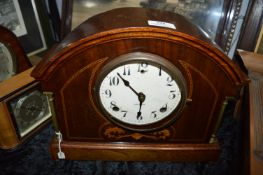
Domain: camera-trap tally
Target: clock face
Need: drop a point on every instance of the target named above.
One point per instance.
(29, 110)
(141, 91)
(7, 63)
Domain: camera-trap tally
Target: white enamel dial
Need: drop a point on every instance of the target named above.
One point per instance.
(139, 93)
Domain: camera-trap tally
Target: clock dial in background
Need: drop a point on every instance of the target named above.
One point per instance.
(29, 110)
(7, 63)
(13, 59)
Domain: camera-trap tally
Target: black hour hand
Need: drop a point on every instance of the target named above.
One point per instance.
(141, 98)
(139, 115)
(127, 83)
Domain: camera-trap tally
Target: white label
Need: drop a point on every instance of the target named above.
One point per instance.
(61, 155)
(161, 24)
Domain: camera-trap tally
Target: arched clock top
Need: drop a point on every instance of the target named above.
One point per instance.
(133, 24)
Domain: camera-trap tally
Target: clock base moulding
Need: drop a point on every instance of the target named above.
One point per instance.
(135, 151)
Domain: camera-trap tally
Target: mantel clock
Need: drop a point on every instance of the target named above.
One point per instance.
(138, 84)
(24, 110)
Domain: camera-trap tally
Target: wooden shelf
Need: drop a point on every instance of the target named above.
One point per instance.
(254, 64)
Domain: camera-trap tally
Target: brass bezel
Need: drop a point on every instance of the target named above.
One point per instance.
(137, 57)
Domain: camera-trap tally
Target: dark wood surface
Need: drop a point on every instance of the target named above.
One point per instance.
(66, 18)
(7, 37)
(227, 24)
(254, 64)
(69, 71)
(252, 25)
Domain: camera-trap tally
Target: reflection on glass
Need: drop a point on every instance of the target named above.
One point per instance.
(204, 13)
(7, 64)
(29, 111)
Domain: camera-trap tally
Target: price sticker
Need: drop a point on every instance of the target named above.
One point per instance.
(161, 24)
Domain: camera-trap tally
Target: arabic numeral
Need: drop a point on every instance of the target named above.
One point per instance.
(172, 95)
(108, 93)
(169, 81)
(163, 108)
(113, 106)
(142, 67)
(124, 113)
(114, 81)
(154, 114)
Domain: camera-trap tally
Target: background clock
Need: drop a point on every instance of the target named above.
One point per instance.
(24, 110)
(29, 110)
(138, 84)
(7, 63)
(141, 91)
(12, 56)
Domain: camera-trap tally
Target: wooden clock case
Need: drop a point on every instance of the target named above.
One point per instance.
(70, 70)
(11, 138)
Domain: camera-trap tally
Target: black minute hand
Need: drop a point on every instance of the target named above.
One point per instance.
(127, 83)
(141, 96)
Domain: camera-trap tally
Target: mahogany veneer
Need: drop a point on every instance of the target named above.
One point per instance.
(70, 69)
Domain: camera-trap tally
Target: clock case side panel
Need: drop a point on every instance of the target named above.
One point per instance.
(8, 137)
(11, 41)
(80, 117)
